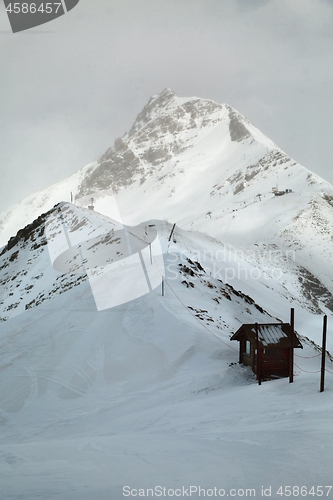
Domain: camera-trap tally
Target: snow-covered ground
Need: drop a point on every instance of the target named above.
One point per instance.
(110, 389)
(150, 395)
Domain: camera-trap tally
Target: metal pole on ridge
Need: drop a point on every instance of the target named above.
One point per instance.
(291, 353)
(323, 355)
(258, 356)
(172, 230)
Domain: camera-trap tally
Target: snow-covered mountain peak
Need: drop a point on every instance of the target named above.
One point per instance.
(182, 109)
(158, 103)
(173, 130)
(183, 158)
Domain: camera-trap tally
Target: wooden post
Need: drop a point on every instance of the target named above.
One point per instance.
(291, 353)
(323, 355)
(258, 356)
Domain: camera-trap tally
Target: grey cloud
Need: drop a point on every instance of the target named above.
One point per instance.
(254, 4)
(67, 95)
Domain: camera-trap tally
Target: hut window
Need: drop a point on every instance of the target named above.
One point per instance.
(248, 347)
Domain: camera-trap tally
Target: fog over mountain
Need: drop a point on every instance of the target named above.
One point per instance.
(70, 87)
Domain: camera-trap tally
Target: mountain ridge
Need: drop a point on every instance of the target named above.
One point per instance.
(206, 167)
(157, 149)
(115, 350)
(230, 202)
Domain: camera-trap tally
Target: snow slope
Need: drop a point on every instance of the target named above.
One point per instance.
(149, 394)
(106, 382)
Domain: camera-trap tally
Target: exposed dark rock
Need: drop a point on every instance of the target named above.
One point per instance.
(237, 129)
(314, 291)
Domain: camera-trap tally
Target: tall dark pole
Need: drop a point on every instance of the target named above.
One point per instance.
(258, 356)
(323, 355)
(291, 353)
(172, 230)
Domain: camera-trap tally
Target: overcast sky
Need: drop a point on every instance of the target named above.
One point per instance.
(70, 87)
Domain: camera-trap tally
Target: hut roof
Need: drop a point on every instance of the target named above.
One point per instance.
(269, 334)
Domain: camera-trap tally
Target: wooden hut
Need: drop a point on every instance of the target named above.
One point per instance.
(273, 342)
